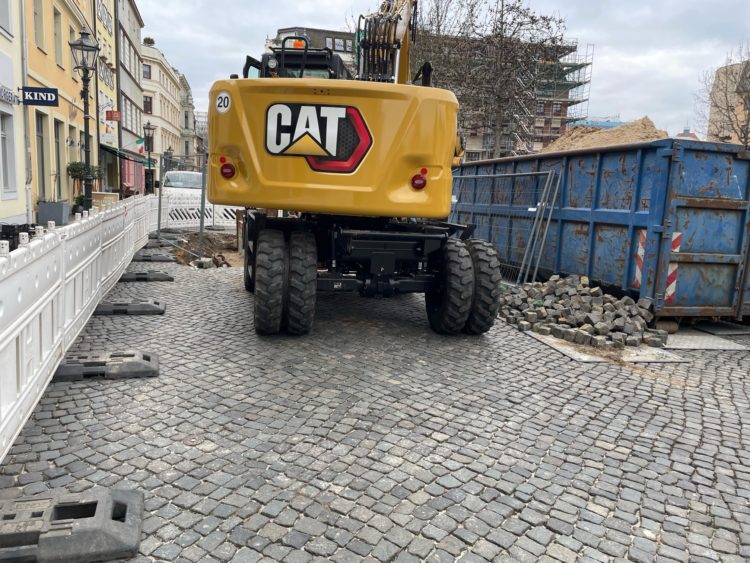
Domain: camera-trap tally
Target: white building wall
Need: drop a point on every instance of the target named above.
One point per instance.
(13, 198)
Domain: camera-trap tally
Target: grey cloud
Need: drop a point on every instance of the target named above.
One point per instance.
(649, 55)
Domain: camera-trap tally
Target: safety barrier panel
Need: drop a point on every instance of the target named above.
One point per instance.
(185, 212)
(49, 287)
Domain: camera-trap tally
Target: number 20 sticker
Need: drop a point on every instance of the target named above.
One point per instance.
(223, 102)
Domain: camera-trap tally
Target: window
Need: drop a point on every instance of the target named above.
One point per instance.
(187, 120)
(41, 127)
(71, 38)
(57, 19)
(148, 104)
(71, 142)
(39, 23)
(147, 71)
(556, 108)
(5, 15)
(187, 148)
(58, 158)
(6, 123)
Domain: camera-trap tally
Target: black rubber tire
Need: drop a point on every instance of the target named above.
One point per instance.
(449, 305)
(271, 268)
(487, 278)
(302, 285)
(249, 266)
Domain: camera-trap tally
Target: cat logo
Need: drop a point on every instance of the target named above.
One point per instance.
(330, 138)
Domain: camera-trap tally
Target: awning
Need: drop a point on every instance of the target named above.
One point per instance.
(127, 156)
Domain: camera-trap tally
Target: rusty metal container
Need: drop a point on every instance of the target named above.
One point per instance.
(665, 220)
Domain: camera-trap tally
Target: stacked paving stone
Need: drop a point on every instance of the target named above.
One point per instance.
(570, 309)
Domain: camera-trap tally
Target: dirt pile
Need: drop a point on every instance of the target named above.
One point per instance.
(590, 137)
(214, 244)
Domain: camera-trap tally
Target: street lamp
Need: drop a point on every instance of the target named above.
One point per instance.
(148, 135)
(85, 51)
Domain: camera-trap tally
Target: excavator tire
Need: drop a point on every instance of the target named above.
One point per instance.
(449, 305)
(271, 270)
(303, 283)
(249, 270)
(487, 278)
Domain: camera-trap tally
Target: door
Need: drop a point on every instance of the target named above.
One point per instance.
(703, 250)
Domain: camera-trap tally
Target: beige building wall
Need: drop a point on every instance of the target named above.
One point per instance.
(56, 133)
(106, 93)
(13, 194)
(161, 95)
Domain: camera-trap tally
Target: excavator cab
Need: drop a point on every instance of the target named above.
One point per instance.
(295, 59)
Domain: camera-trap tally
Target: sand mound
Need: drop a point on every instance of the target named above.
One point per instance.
(590, 137)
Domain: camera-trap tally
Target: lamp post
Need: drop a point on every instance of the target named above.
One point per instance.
(85, 51)
(148, 135)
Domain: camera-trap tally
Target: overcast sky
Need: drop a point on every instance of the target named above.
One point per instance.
(648, 55)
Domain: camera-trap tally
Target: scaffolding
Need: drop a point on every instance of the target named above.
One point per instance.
(562, 92)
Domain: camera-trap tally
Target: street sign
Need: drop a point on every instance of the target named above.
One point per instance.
(40, 96)
(114, 116)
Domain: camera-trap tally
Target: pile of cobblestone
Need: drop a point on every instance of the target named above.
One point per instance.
(570, 309)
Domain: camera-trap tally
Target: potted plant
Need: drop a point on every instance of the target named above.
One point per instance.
(57, 211)
(76, 171)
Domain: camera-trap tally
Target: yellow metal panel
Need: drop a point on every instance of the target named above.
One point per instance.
(411, 128)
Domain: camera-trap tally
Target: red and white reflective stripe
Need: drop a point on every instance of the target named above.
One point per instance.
(639, 259)
(673, 269)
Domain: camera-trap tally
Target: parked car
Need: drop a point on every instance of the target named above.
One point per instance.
(182, 182)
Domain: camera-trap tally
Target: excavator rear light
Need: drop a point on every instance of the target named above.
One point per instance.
(419, 182)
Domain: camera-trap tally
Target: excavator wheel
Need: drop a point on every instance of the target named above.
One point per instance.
(487, 278)
(303, 283)
(449, 304)
(271, 272)
(249, 270)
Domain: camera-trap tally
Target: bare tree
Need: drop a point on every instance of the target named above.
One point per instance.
(723, 99)
(488, 53)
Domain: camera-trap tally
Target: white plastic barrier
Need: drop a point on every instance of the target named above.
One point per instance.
(185, 212)
(49, 287)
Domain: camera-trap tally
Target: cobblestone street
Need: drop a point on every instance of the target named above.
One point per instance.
(376, 439)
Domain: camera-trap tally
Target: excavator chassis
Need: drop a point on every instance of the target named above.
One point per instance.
(289, 260)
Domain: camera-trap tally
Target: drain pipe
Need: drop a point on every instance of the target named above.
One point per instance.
(26, 124)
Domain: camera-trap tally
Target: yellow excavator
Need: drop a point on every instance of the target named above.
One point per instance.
(361, 167)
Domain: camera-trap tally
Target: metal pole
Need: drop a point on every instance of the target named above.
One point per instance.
(203, 205)
(88, 178)
(150, 170)
(161, 189)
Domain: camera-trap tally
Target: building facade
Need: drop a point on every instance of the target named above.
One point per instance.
(57, 133)
(108, 129)
(188, 138)
(161, 102)
(130, 96)
(201, 131)
(562, 91)
(729, 105)
(14, 197)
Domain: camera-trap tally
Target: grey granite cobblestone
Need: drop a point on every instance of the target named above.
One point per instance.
(374, 439)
